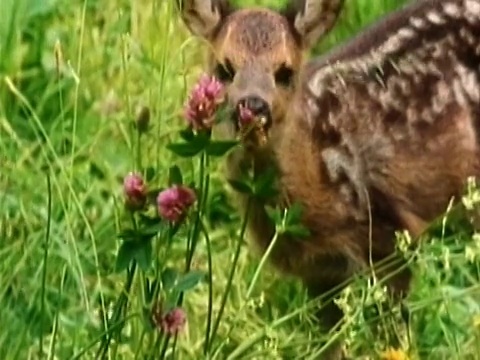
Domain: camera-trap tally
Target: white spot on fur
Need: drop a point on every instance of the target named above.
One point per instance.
(395, 42)
(459, 93)
(418, 23)
(472, 7)
(468, 82)
(315, 83)
(435, 18)
(442, 98)
(452, 9)
(391, 45)
(405, 86)
(312, 112)
(406, 33)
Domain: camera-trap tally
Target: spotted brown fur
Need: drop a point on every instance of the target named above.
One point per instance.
(376, 136)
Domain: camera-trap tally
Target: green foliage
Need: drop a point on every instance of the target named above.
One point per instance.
(195, 144)
(80, 273)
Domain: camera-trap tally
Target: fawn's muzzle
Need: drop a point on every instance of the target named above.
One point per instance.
(257, 106)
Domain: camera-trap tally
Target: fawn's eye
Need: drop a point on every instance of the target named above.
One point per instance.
(284, 75)
(225, 72)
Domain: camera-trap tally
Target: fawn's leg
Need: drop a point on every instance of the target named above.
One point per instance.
(397, 280)
(327, 316)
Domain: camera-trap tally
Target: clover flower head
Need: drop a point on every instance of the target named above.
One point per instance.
(203, 102)
(174, 202)
(135, 191)
(171, 322)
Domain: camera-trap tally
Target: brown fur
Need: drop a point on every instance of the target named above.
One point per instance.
(374, 137)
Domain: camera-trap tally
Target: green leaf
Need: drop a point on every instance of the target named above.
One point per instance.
(149, 289)
(169, 276)
(143, 255)
(140, 251)
(128, 235)
(185, 149)
(265, 184)
(294, 214)
(220, 148)
(147, 321)
(202, 138)
(175, 176)
(191, 147)
(189, 280)
(125, 255)
(173, 229)
(187, 134)
(149, 173)
(297, 230)
(151, 230)
(274, 214)
(241, 186)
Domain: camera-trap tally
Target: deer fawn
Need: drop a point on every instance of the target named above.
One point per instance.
(376, 136)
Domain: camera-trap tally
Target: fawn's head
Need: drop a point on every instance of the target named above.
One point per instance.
(257, 52)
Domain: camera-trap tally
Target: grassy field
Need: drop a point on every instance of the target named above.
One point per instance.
(73, 75)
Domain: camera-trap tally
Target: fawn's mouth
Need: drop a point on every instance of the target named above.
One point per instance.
(253, 120)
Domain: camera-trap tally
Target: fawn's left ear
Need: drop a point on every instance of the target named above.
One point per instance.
(203, 17)
(312, 19)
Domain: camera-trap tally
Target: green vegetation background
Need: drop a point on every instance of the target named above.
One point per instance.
(72, 74)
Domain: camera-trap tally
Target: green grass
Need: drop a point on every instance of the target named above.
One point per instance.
(72, 76)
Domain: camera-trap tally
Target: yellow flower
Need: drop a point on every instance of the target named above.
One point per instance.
(394, 354)
(476, 321)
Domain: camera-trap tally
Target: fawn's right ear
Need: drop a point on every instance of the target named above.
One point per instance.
(312, 19)
(203, 17)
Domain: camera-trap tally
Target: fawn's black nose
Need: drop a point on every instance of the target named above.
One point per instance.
(256, 105)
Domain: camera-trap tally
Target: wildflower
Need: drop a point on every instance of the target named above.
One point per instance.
(171, 322)
(173, 203)
(143, 119)
(246, 116)
(252, 128)
(394, 354)
(135, 191)
(203, 102)
(476, 321)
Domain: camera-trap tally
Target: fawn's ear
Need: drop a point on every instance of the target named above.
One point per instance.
(203, 17)
(312, 19)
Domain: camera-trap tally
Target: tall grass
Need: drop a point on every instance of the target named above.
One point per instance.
(73, 75)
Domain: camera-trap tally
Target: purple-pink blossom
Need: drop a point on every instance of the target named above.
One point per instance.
(171, 322)
(135, 191)
(173, 203)
(245, 116)
(203, 102)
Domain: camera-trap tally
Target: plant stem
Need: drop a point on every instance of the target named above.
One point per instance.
(174, 346)
(210, 289)
(139, 151)
(256, 275)
(140, 343)
(119, 306)
(232, 272)
(262, 264)
(192, 243)
(82, 352)
(122, 301)
(54, 337)
(45, 260)
(166, 340)
(201, 204)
